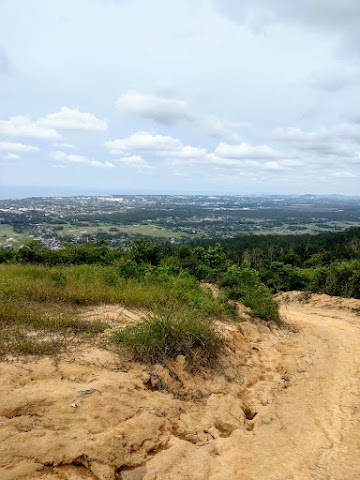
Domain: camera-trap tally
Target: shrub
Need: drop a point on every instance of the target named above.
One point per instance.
(130, 269)
(145, 251)
(244, 284)
(167, 335)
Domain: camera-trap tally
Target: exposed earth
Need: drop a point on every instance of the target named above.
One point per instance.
(283, 403)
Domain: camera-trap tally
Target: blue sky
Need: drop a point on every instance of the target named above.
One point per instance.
(200, 96)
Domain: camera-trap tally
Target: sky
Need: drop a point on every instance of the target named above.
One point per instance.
(169, 97)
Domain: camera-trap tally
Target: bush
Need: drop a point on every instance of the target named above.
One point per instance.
(167, 335)
(245, 285)
(281, 277)
(339, 278)
(145, 251)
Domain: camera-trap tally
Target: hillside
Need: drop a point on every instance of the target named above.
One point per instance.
(281, 403)
(125, 365)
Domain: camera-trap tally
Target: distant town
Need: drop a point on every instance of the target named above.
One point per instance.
(116, 220)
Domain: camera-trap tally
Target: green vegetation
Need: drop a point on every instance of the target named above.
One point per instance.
(9, 238)
(179, 219)
(324, 263)
(83, 285)
(170, 334)
(245, 285)
(42, 291)
(32, 328)
(107, 231)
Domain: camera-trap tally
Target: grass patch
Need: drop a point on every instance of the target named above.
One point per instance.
(40, 306)
(9, 238)
(145, 230)
(46, 317)
(17, 342)
(167, 335)
(82, 285)
(41, 329)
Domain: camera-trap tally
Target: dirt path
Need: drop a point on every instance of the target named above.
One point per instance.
(312, 430)
(284, 404)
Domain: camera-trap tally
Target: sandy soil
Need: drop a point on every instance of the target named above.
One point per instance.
(282, 404)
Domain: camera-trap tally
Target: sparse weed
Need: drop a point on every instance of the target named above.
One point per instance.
(304, 297)
(40, 328)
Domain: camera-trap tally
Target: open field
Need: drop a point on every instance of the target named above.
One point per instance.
(154, 231)
(9, 238)
(305, 228)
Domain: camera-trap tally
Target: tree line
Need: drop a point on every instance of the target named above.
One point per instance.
(327, 263)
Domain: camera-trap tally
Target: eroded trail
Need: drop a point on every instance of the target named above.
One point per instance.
(284, 404)
(312, 430)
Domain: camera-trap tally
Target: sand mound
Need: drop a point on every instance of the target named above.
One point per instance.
(89, 415)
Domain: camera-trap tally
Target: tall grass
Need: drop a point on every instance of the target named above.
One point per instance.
(96, 284)
(46, 300)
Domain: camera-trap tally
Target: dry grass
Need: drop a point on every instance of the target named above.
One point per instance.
(41, 328)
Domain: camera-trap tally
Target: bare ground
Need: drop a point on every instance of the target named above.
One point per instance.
(282, 404)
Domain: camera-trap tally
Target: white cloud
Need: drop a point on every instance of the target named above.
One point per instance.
(134, 161)
(342, 175)
(22, 126)
(246, 151)
(72, 119)
(350, 131)
(143, 141)
(216, 73)
(355, 159)
(16, 147)
(46, 128)
(10, 156)
(80, 160)
(298, 136)
(219, 128)
(185, 151)
(322, 142)
(282, 165)
(231, 163)
(225, 156)
(159, 145)
(255, 164)
(167, 111)
(302, 151)
(63, 145)
(160, 109)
